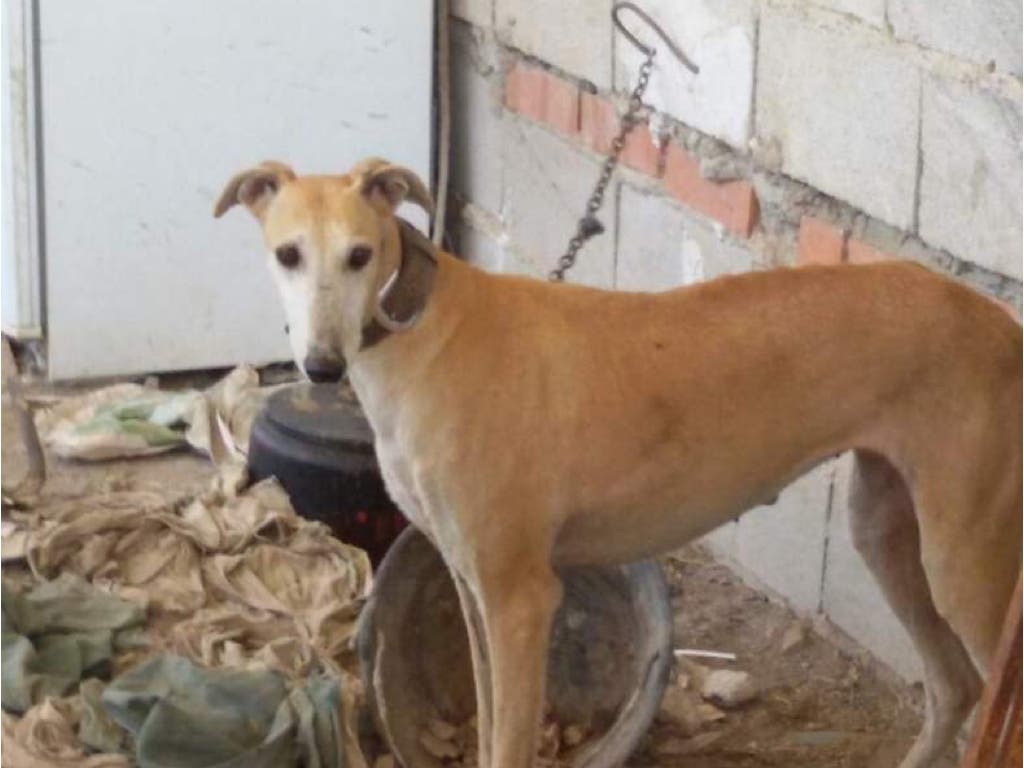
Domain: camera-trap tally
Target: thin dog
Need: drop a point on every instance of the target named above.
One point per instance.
(524, 425)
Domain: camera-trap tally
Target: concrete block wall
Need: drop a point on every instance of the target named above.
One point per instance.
(818, 131)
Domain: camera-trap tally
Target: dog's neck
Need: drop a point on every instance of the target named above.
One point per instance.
(407, 291)
(391, 365)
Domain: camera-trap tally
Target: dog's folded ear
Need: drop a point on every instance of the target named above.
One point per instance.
(387, 186)
(254, 188)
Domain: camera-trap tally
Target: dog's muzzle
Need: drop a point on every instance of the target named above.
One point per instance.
(322, 369)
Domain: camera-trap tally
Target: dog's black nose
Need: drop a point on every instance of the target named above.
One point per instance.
(323, 370)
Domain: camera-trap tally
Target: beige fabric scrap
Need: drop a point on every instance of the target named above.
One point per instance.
(46, 737)
(232, 577)
(217, 421)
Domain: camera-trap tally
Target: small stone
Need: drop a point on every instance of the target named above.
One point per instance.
(550, 742)
(681, 708)
(694, 672)
(573, 735)
(852, 677)
(729, 688)
(709, 713)
(575, 619)
(444, 730)
(822, 626)
(793, 636)
(438, 748)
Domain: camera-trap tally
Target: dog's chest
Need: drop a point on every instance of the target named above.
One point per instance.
(399, 480)
(395, 446)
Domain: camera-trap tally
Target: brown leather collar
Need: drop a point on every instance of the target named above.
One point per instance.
(406, 298)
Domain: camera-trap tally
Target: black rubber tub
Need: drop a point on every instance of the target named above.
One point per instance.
(315, 440)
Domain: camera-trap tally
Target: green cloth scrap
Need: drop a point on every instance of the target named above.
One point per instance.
(186, 716)
(58, 633)
(97, 729)
(150, 433)
(159, 420)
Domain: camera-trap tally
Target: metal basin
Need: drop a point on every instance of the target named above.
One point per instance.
(608, 666)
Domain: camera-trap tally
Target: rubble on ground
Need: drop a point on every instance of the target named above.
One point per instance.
(456, 745)
(728, 688)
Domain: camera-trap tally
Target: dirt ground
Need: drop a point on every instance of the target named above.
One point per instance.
(820, 703)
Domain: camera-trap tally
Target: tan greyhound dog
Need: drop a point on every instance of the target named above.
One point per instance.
(525, 425)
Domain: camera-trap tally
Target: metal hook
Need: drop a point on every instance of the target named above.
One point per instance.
(646, 49)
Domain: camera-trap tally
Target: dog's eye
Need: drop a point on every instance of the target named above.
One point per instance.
(288, 256)
(359, 257)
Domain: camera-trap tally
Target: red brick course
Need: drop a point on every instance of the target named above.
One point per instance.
(544, 97)
(859, 252)
(820, 242)
(733, 203)
(599, 123)
(643, 151)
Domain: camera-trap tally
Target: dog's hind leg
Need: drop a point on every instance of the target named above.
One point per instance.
(481, 668)
(886, 534)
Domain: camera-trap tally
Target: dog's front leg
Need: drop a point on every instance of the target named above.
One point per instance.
(518, 604)
(473, 618)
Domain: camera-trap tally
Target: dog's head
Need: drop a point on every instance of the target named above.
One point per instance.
(333, 243)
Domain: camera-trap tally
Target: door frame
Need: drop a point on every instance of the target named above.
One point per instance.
(23, 243)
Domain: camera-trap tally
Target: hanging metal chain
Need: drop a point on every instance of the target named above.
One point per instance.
(589, 225)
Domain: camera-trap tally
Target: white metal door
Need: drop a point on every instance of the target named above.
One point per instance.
(149, 107)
